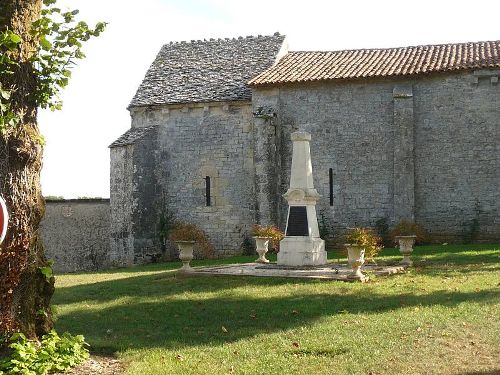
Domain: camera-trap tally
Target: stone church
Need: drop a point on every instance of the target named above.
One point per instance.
(397, 133)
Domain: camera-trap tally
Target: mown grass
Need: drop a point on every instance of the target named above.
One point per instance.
(441, 317)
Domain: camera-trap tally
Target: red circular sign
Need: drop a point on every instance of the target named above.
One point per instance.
(4, 219)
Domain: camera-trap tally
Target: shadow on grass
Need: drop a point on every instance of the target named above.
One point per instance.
(439, 263)
(184, 321)
(158, 310)
(482, 253)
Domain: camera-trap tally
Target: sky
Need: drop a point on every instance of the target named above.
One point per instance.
(76, 159)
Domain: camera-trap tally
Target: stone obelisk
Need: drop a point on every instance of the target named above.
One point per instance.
(302, 245)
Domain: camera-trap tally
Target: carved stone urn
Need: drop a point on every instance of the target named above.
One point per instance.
(406, 248)
(261, 245)
(185, 255)
(356, 258)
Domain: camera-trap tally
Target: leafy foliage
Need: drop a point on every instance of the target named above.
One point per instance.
(190, 232)
(35, 65)
(409, 228)
(53, 198)
(60, 39)
(166, 223)
(53, 354)
(247, 246)
(382, 228)
(47, 272)
(324, 226)
(60, 44)
(8, 43)
(271, 231)
(365, 238)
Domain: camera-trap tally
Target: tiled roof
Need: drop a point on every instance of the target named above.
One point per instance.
(132, 135)
(364, 63)
(207, 70)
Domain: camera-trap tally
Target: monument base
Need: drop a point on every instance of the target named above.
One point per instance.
(302, 251)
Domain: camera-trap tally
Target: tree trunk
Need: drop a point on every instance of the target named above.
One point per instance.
(25, 292)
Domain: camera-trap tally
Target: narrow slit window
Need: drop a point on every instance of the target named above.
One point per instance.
(207, 191)
(330, 179)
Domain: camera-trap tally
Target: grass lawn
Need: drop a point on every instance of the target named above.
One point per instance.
(441, 317)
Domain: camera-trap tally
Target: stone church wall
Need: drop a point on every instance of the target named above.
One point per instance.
(424, 149)
(457, 148)
(216, 141)
(350, 135)
(163, 176)
(134, 198)
(122, 205)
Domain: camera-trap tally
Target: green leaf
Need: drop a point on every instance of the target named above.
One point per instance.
(14, 38)
(46, 45)
(47, 272)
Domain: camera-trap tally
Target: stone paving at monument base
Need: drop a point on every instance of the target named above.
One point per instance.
(330, 271)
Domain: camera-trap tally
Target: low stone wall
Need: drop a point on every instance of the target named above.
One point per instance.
(76, 234)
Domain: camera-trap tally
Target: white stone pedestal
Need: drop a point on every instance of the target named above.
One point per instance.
(302, 245)
(302, 251)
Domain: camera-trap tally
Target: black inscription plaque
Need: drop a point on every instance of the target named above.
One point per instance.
(297, 222)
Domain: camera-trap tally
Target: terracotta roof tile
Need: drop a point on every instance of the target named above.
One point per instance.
(305, 66)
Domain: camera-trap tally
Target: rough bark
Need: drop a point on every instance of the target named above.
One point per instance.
(25, 293)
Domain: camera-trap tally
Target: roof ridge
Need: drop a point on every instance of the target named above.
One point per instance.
(306, 66)
(223, 39)
(396, 48)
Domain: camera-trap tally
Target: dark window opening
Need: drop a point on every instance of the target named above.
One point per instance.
(207, 190)
(330, 177)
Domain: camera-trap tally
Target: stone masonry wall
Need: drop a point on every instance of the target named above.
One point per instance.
(268, 161)
(146, 196)
(196, 141)
(457, 154)
(342, 121)
(76, 234)
(425, 148)
(134, 199)
(122, 206)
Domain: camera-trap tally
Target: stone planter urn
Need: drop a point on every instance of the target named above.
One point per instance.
(356, 258)
(406, 248)
(185, 255)
(261, 245)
